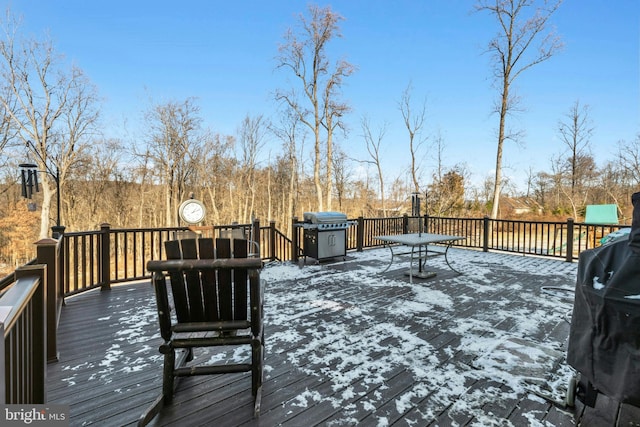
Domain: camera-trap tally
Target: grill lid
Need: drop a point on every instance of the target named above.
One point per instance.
(325, 217)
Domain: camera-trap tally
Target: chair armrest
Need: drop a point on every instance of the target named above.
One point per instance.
(174, 265)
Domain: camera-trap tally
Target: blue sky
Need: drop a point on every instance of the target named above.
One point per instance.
(223, 53)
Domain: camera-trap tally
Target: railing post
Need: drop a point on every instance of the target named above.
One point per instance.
(272, 240)
(485, 233)
(105, 256)
(62, 273)
(360, 234)
(405, 224)
(47, 253)
(295, 244)
(569, 256)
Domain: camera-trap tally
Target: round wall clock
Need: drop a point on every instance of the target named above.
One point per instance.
(192, 211)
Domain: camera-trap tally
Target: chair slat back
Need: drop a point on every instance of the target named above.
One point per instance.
(178, 290)
(209, 281)
(240, 278)
(225, 286)
(209, 295)
(194, 284)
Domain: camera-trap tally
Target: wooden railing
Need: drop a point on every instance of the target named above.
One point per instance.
(23, 344)
(101, 258)
(553, 239)
(565, 240)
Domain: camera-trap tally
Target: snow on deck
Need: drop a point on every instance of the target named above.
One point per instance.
(349, 345)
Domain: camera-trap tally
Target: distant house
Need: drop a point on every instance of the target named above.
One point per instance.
(520, 205)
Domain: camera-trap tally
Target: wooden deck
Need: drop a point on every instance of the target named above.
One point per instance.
(347, 345)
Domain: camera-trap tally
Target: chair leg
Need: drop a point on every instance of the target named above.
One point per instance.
(167, 375)
(169, 382)
(257, 357)
(151, 412)
(257, 402)
(167, 386)
(256, 374)
(256, 386)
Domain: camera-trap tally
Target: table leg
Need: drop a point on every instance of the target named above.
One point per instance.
(390, 262)
(423, 264)
(447, 259)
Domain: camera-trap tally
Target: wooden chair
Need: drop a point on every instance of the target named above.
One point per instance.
(218, 297)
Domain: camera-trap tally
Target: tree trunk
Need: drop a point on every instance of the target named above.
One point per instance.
(497, 185)
(316, 170)
(329, 160)
(45, 216)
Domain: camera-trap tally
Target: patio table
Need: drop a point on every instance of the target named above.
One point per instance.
(417, 241)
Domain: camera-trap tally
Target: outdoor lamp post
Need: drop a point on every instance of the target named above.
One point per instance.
(426, 211)
(29, 176)
(415, 209)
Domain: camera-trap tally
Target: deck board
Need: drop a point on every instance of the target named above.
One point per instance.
(321, 328)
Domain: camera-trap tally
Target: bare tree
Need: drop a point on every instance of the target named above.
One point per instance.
(173, 143)
(334, 110)
(611, 186)
(216, 170)
(92, 194)
(510, 48)
(7, 127)
(576, 166)
(542, 185)
(397, 195)
(487, 190)
(575, 133)
(7, 132)
(440, 169)
(414, 120)
(251, 140)
(629, 160)
(305, 55)
(374, 142)
(342, 176)
(530, 181)
(446, 191)
(53, 110)
(289, 133)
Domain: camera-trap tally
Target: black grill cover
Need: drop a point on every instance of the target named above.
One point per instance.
(604, 340)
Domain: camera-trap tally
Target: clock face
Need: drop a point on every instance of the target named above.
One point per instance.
(192, 211)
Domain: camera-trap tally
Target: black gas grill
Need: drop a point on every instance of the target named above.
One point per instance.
(604, 339)
(325, 234)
